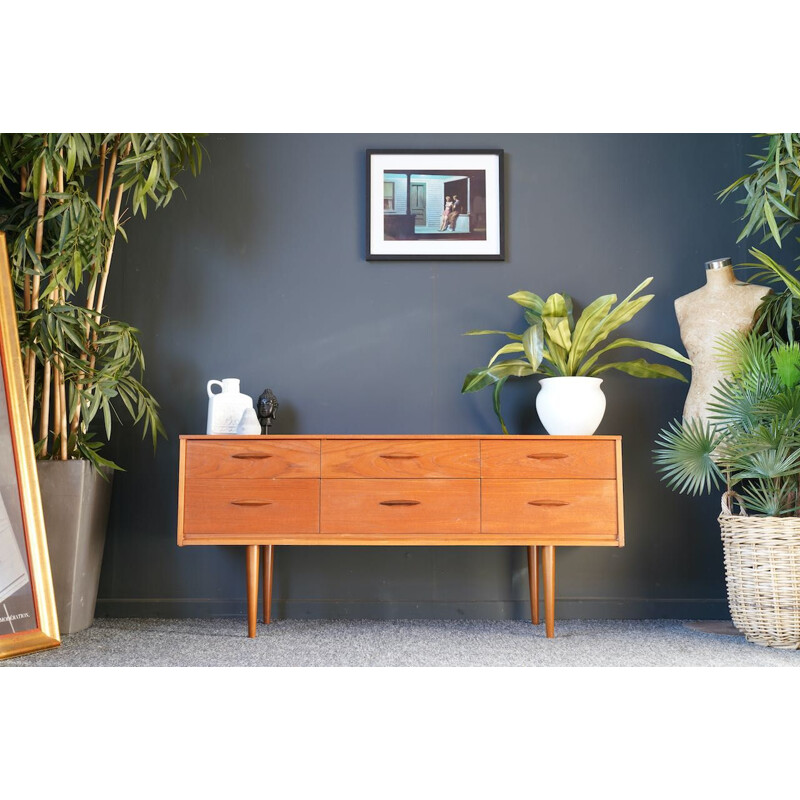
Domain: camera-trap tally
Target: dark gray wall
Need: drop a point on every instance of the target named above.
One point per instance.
(259, 273)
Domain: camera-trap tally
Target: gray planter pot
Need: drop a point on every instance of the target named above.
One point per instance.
(75, 504)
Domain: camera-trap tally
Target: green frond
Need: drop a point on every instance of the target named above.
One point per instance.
(737, 404)
(785, 404)
(787, 364)
(740, 353)
(684, 456)
(770, 498)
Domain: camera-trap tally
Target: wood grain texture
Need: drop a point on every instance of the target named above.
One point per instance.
(405, 506)
(533, 581)
(549, 580)
(269, 564)
(252, 460)
(267, 507)
(407, 458)
(252, 589)
(543, 458)
(538, 491)
(580, 508)
(181, 490)
(620, 503)
(382, 538)
(325, 437)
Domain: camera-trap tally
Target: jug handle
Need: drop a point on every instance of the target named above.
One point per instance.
(212, 383)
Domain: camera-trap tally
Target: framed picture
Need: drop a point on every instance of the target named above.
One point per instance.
(28, 619)
(435, 205)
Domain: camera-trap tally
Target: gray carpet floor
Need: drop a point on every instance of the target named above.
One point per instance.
(403, 643)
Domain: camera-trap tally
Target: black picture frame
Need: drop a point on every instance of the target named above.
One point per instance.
(406, 228)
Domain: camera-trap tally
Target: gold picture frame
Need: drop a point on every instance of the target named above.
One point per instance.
(26, 585)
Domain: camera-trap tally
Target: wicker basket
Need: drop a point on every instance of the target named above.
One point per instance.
(762, 572)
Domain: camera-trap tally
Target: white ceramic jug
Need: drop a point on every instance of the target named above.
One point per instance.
(249, 424)
(225, 408)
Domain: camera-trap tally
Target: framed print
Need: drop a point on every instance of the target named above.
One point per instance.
(435, 205)
(28, 618)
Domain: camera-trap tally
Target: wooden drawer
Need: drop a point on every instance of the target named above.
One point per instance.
(400, 506)
(252, 459)
(400, 458)
(558, 458)
(238, 507)
(555, 508)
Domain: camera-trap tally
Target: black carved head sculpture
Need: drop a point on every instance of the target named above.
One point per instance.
(266, 409)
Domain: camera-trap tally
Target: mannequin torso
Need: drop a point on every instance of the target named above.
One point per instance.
(723, 304)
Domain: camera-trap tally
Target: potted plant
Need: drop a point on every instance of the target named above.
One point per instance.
(751, 445)
(750, 442)
(567, 352)
(63, 200)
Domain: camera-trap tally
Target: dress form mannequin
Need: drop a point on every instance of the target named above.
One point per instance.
(723, 304)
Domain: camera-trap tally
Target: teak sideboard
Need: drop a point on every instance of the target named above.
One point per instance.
(536, 491)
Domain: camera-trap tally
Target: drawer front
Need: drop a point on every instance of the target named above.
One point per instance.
(400, 458)
(559, 458)
(550, 507)
(400, 506)
(252, 459)
(246, 506)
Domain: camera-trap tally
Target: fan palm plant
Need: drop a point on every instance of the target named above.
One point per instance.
(555, 345)
(751, 443)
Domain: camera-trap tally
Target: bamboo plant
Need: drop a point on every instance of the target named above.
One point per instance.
(770, 194)
(555, 345)
(64, 197)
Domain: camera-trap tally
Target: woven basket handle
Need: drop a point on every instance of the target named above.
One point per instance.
(728, 499)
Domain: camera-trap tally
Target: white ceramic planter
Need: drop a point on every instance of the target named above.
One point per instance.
(570, 406)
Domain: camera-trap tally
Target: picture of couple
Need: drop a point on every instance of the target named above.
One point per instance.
(452, 208)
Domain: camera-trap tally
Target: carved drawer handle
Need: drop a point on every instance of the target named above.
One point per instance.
(399, 455)
(399, 502)
(251, 502)
(548, 503)
(547, 456)
(251, 455)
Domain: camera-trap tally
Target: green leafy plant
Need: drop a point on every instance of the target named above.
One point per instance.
(770, 194)
(63, 199)
(772, 190)
(554, 344)
(751, 443)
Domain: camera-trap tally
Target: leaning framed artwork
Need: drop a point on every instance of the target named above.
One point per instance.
(28, 619)
(435, 205)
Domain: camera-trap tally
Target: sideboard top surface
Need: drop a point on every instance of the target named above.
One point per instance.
(500, 436)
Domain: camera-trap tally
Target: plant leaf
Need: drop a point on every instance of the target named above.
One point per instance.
(513, 347)
(528, 300)
(510, 335)
(641, 369)
(555, 316)
(770, 217)
(533, 344)
(496, 403)
(684, 456)
(661, 349)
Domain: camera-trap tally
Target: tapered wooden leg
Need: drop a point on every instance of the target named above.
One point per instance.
(549, 575)
(268, 562)
(252, 589)
(533, 581)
